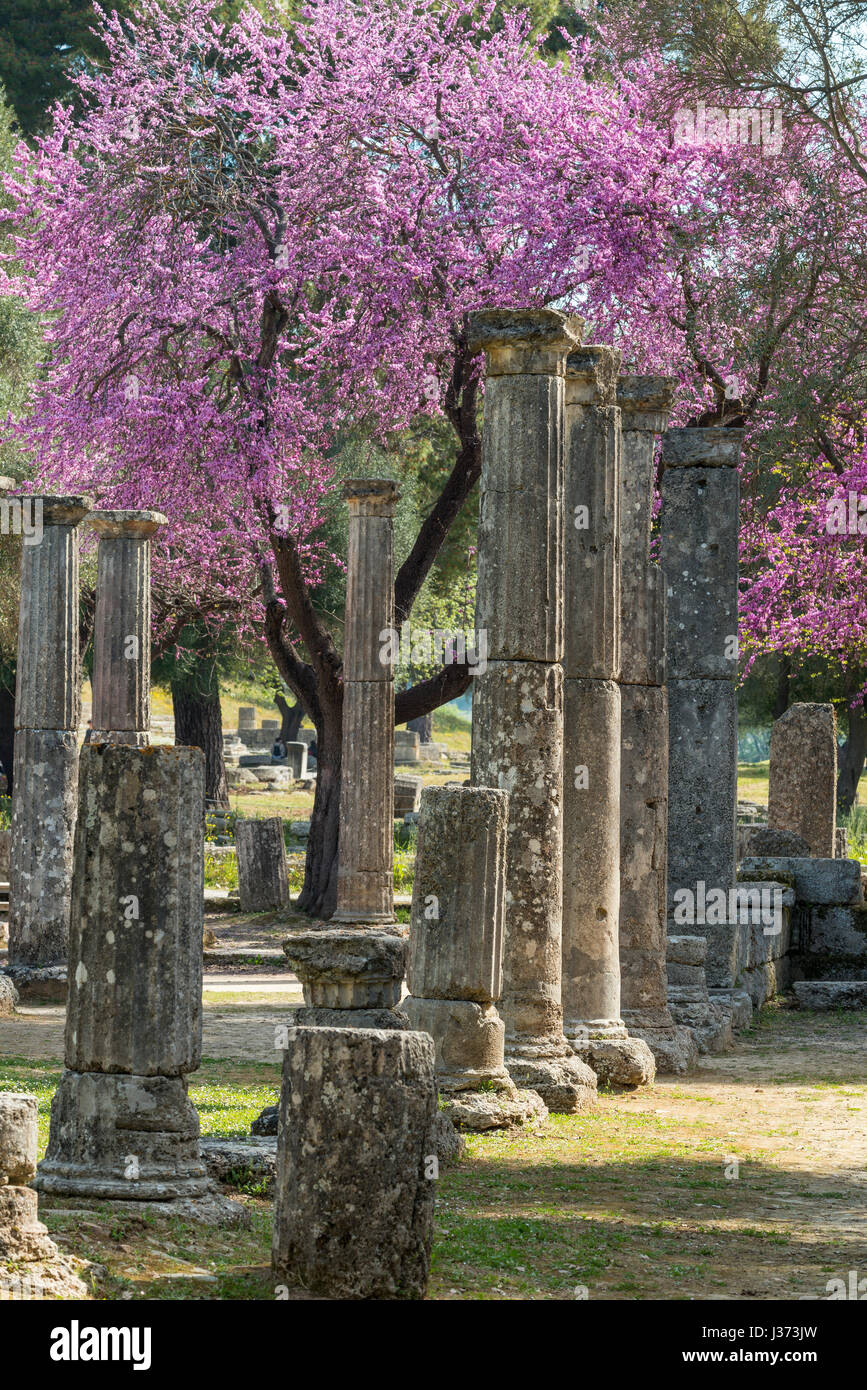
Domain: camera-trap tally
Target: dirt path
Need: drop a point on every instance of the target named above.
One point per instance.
(746, 1180)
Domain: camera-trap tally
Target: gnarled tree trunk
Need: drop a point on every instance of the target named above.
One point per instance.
(291, 717)
(199, 724)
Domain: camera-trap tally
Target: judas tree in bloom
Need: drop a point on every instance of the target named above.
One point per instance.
(255, 236)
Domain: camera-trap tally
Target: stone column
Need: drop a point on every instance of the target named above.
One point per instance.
(31, 1266)
(518, 702)
(365, 875)
(455, 967)
(356, 1163)
(591, 785)
(122, 1125)
(802, 780)
(47, 712)
(644, 403)
(352, 970)
(699, 553)
(122, 626)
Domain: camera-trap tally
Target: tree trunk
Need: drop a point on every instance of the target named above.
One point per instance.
(199, 724)
(319, 894)
(423, 726)
(291, 715)
(7, 730)
(784, 680)
(851, 759)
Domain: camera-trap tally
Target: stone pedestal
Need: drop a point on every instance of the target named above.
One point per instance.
(31, 1266)
(591, 663)
(263, 883)
(455, 969)
(699, 554)
(47, 710)
(518, 704)
(644, 403)
(356, 1163)
(296, 759)
(802, 784)
(122, 1125)
(121, 626)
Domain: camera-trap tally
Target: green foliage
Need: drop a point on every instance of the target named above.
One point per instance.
(42, 42)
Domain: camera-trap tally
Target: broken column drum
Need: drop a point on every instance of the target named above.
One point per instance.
(455, 968)
(518, 701)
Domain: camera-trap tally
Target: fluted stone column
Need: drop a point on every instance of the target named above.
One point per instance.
(122, 1125)
(365, 876)
(591, 665)
(455, 967)
(352, 969)
(699, 553)
(47, 711)
(518, 702)
(644, 403)
(122, 626)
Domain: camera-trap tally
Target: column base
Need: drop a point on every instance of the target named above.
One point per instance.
(622, 1062)
(125, 1138)
(673, 1046)
(548, 1066)
(499, 1106)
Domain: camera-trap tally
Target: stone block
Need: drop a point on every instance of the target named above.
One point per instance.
(831, 994)
(815, 880)
(468, 1038)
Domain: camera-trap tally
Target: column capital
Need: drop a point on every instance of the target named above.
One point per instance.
(712, 446)
(57, 511)
(124, 525)
(645, 401)
(523, 342)
(591, 375)
(371, 496)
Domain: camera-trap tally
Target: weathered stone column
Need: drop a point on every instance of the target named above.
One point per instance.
(699, 554)
(122, 1125)
(591, 785)
(352, 968)
(31, 1266)
(356, 1163)
(47, 711)
(802, 778)
(122, 626)
(365, 876)
(455, 967)
(644, 403)
(518, 703)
